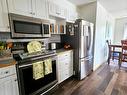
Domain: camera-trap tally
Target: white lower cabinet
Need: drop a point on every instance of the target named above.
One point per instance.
(65, 65)
(8, 82)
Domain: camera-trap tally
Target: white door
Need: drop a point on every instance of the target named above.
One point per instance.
(39, 8)
(4, 21)
(23, 7)
(9, 86)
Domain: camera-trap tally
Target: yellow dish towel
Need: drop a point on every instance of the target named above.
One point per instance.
(48, 66)
(38, 70)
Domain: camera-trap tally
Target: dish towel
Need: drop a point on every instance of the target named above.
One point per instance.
(38, 70)
(48, 66)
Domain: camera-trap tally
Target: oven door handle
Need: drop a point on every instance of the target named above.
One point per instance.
(25, 65)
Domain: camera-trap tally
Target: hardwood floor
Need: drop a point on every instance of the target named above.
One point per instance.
(107, 80)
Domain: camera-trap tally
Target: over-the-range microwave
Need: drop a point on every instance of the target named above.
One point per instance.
(28, 27)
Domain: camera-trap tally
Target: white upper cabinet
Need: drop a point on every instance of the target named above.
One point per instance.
(22, 7)
(56, 10)
(66, 12)
(71, 15)
(4, 23)
(33, 8)
(40, 8)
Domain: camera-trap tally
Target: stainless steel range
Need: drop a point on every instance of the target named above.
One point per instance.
(27, 84)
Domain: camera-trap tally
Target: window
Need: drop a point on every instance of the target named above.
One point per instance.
(125, 32)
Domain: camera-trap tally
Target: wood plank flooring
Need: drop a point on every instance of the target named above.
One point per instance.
(107, 80)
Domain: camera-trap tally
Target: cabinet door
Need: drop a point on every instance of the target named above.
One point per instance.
(39, 8)
(65, 66)
(15, 85)
(62, 11)
(52, 8)
(71, 15)
(4, 21)
(8, 86)
(22, 7)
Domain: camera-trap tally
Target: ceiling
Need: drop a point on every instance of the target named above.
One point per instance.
(118, 8)
(81, 2)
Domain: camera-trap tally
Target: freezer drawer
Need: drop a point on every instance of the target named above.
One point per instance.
(86, 66)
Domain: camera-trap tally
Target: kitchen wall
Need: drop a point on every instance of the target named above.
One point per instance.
(96, 13)
(88, 12)
(102, 17)
(119, 30)
(5, 36)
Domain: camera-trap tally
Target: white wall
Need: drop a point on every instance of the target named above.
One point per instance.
(88, 12)
(119, 30)
(102, 17)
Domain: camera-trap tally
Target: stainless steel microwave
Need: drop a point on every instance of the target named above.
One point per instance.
(28, 27)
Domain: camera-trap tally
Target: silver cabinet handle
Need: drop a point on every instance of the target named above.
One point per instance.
(8, 27)
(57, 13)
(6, 72)
(31, 13)
(15, 80)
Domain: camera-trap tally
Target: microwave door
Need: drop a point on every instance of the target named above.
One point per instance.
(25, 27)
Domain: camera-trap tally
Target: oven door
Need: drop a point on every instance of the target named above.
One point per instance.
(29, 86)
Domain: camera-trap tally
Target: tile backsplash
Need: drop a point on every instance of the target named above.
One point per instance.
(4, 36)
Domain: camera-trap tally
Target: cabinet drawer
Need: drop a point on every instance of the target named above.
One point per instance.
(66, 74)
(6, 71)
(65, 65)
(65, 55)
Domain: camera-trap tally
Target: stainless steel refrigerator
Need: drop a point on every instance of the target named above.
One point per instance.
(82, 43)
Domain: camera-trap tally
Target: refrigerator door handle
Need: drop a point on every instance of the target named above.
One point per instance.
(87, 58)
(89, 37)
(83, 30)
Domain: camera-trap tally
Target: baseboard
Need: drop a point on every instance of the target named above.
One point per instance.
(99, 65)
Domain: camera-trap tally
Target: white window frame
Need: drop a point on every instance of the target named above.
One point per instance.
(125, 31)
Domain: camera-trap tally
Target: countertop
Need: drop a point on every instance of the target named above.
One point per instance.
(8, 64)
(13, 62)
(62, 50)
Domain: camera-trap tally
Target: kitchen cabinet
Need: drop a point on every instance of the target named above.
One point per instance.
(8, 81)
(71, 15)
(65, 65)
(22, 7)
(4, 22)
(40, 8)
(56, 10)
(8, 86)
(32, 8)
